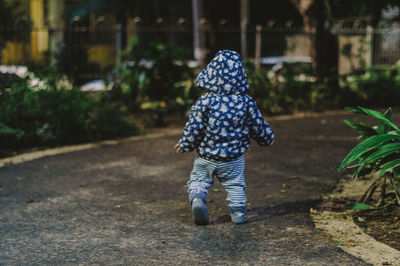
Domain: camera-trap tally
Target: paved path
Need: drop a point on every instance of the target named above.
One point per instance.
(126, 204)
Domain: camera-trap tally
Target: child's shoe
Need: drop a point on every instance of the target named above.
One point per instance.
(200, 212)
(239, 217)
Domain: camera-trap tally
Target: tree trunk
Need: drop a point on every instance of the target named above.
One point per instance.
(244, 19)
(123, 21)
(324, 45)
(198, 33)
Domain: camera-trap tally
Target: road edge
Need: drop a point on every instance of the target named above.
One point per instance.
(155, 133)
(346, 234)
(29, 156)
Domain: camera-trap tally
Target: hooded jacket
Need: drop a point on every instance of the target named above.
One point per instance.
(223, 120)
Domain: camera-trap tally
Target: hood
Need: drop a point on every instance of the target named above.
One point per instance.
(224, 74)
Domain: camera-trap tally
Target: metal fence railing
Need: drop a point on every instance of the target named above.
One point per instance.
(93, 52)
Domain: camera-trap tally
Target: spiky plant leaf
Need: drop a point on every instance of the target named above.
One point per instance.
(365, 146)
(380, 116)
(382, 127)
(363, 170)
(362, 128)
(382, 151)
(355, 110)
(388, 166)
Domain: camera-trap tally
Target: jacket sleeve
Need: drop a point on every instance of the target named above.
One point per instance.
(260, 130)
(193, 132)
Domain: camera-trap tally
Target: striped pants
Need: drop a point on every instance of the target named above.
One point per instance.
(230, 174)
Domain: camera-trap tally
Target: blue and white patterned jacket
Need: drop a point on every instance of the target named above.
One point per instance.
(223, 120)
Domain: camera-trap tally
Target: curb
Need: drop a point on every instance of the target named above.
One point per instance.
(26, 157)
(340, 227)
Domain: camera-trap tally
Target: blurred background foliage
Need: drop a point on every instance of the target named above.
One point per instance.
(156, 80)
(287, 92)
(152, 77)
(156, 83)
(48, 115)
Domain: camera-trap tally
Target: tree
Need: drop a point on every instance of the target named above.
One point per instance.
(317, 20)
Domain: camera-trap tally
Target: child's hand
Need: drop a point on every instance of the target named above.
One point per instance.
(178, 148)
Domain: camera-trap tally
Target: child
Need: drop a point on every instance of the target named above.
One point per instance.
(220, 126)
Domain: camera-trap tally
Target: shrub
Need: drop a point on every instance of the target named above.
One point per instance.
(156, 79)
(31, 117)
(288, 92)
(375, 87)
(378, 152)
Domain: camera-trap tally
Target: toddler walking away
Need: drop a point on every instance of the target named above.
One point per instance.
(220, 126)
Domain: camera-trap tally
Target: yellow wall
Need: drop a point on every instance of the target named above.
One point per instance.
(39, 34)
(14, 53)
(41, 41)
(104, 55)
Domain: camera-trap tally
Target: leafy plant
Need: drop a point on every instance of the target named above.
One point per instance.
(374, 87)
(288, 92)
(154, 80)
(379, 152)
(31, 117)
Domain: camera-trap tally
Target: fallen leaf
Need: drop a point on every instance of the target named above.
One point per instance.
(337, 243)
(358, 206)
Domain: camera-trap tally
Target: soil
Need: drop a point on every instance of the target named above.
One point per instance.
(342, 225)
(381, 224)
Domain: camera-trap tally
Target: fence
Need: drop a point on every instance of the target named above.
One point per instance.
(92, 52)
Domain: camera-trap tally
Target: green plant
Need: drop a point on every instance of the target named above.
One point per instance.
(50, 76)
(47, 116)
(378, 152)
(155, 80)
(287, 92)
(374, 87)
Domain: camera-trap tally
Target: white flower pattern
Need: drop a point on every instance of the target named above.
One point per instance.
(222, 121)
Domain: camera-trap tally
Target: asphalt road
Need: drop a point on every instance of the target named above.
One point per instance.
(127, 204)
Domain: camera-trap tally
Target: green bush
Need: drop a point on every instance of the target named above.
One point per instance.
(156, 80)
(375, 87)
(36, 117)
(288, 92)
(378, 152)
